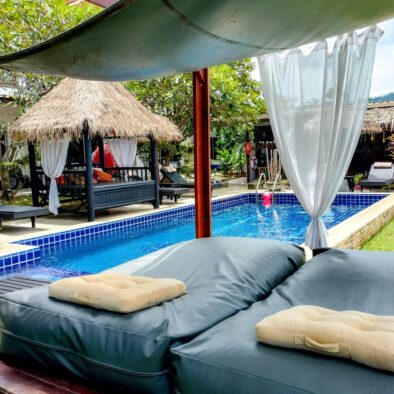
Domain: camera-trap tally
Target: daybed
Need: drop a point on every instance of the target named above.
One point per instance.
(175, 179)
(380, 175)
(228, 359)
(131, 351)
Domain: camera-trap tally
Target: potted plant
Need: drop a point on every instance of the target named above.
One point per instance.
(357, 178)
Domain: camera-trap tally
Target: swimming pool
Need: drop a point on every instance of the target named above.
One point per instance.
(105, 245)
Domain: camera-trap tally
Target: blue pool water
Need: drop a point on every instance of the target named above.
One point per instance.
(98, 252)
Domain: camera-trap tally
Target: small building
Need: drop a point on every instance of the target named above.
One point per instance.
(73, 119)
(375, 137)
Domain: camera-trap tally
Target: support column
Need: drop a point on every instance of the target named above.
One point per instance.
(154, 171)
(247, 140)
(87, 143)
(33, 174)
(202, 162)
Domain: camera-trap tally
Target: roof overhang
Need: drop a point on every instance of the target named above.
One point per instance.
(146, 39)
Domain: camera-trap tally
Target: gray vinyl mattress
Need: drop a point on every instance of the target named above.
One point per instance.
(227, 358)
(131, 351)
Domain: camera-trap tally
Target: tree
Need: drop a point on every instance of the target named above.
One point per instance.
(236, 100)
(24, 23)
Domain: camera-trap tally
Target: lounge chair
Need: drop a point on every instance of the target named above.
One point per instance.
(175, 179)
(13, 212)
(381, 174)
(131, 351)
(228, 359)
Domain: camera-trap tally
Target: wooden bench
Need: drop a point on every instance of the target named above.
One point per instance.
(14, 212)
(172, 192)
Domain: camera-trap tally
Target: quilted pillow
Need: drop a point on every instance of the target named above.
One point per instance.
(116, 292)
(367, 339)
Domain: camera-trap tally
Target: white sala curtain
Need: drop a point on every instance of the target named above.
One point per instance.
(316, 103)
(124, 151)
(53, 160)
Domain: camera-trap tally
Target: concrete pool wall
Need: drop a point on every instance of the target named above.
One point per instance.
(350, 233)
(353, 232)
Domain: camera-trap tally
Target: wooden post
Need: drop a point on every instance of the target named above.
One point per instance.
(154, 171)
(202, 162)
(87, 143)
(33, 174)
(247, 139)
(101, 151)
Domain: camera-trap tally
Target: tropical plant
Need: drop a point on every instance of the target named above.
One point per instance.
(226, 158)
(233, 160)
(236, 100)
(24, 23)
(357, 178)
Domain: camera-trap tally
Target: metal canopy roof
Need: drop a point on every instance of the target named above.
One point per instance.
(145, 39)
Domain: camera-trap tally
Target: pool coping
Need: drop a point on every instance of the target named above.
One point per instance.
(353, 232)
(27, 249)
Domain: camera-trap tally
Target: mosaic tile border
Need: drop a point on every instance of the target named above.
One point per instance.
(19, 260)
(32, 256)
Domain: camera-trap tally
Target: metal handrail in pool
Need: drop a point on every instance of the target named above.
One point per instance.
(275, 182)
(258, 184)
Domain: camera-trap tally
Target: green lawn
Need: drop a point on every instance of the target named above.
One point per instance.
(383, 240)
(19, 200)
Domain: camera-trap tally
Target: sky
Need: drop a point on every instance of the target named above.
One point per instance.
(383, 72)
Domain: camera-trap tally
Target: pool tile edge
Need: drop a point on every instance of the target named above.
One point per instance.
(353, 232)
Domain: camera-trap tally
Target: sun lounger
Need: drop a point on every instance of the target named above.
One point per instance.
(13, 212)
(228, 358)
(171, 192)
(131, 351)
(380, 175)
(175, 179)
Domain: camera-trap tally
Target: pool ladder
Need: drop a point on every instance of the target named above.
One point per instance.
(262, 175)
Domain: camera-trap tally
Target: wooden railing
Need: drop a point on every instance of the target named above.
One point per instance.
(72, 182)
(129, 174)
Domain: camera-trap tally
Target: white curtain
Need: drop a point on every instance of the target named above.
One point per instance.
(53, 160)
(316, 103)
(123, 151)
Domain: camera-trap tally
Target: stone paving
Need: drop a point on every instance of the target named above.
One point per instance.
(14, 230)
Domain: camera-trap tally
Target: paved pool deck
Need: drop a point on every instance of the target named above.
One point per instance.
(351, 233)
(19, 229)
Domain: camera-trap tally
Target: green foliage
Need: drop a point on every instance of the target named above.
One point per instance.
(168, 150)
(357, 178)
(233, 159)
(186, 150)
(143, 153)
(236, 100)
(12, 167)
(24, 23)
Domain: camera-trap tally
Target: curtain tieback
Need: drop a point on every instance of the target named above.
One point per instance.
(316, 236)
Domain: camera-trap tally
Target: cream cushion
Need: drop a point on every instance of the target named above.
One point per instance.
(365, 338)
(116, 292)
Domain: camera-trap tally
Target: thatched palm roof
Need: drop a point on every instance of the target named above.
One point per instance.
(108, 109)
(379, 117)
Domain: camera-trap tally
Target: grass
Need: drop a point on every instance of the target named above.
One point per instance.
(383, 240)
(24, 199)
